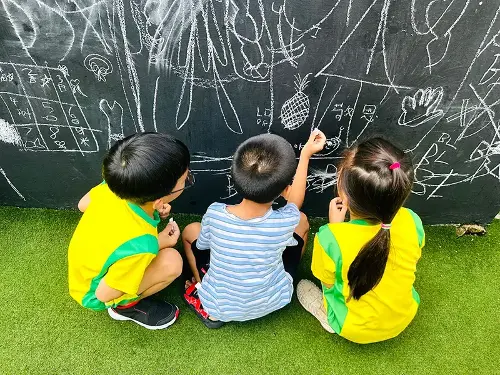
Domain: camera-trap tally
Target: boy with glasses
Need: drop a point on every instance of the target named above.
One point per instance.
(117, 258)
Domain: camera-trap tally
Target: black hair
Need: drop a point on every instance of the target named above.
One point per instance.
(263, 166)
(145, 166)
(374, 193)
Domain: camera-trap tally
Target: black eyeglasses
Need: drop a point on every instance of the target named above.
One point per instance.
(190, 180)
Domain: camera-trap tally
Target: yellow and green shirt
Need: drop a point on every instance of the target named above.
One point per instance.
(387, 309)
(115, 240)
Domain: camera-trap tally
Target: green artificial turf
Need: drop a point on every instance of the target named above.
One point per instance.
(43, 331)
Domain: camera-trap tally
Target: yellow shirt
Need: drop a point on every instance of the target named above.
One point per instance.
(387, 309)
(115, 240)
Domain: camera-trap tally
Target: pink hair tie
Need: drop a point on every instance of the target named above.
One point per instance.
(394, 166)
(386, 226)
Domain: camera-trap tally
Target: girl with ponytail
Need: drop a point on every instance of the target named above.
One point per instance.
(367, 265)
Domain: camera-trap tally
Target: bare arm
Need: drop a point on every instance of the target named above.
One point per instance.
(84, 202)
(297, 191)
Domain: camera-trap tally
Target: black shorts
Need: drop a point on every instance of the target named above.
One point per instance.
(291, 259)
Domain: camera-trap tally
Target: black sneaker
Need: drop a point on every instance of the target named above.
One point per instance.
(149, 313)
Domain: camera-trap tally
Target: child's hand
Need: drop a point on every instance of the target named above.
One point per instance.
(315, 144)
(163, 209)
(169, 236)
(337, 211)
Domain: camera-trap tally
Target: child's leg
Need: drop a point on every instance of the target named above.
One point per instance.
(293, 254)
(311, 298)
(302, 230)
(189, 236)
(165, 268)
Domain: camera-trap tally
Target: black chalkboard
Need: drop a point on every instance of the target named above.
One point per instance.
(76, 75)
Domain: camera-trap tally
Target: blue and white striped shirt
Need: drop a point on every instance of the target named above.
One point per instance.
(246, 279)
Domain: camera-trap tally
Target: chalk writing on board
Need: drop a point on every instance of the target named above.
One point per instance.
(230, 190)
(409, 68)
(264, 117)
(441, 27)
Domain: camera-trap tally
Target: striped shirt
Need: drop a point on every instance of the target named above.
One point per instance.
(246, 279)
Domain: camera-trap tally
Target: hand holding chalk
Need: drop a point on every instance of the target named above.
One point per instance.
(170, 235)
(172, 222)
(315, 143)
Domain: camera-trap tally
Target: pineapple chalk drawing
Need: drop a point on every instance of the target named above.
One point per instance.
(295, 110)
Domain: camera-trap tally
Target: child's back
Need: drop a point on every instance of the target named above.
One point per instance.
(111, 230)
(386, 310)
(117, 258)
(253, 251)
(246, 278)
(367, 265)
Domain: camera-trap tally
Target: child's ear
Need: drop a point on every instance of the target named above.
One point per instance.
(285, 192)
(158, 204)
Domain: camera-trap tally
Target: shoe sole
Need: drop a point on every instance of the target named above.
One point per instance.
(309, 307)
(122, 318)
(211, 324)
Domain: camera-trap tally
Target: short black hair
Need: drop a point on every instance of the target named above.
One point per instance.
(145, 166)
(263, 166)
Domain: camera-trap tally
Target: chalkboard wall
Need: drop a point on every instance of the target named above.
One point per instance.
(75, 76)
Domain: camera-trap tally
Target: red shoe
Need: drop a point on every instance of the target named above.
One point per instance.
(194, 303)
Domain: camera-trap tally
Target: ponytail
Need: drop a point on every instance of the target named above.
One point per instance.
(376, 178)
(367, 269)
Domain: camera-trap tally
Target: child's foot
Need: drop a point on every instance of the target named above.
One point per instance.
(188, 283)
(194, 303)
(149, 313)
(311, 298)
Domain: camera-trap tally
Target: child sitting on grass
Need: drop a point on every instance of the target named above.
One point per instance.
(245, 256)
(367, 265)
(117, 258)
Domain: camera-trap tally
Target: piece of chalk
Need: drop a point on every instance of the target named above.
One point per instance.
(171, 220)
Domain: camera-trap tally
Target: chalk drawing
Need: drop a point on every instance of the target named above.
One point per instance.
(295, 110)
(2, 172)
(9, 134)
(99, 65)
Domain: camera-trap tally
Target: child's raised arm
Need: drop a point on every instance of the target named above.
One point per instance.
(297, 191)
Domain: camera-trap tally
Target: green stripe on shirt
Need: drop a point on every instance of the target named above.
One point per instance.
(419, 227)
(146, 243)
(336, 306)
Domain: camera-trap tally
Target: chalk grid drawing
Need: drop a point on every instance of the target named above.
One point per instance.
(45, 114)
